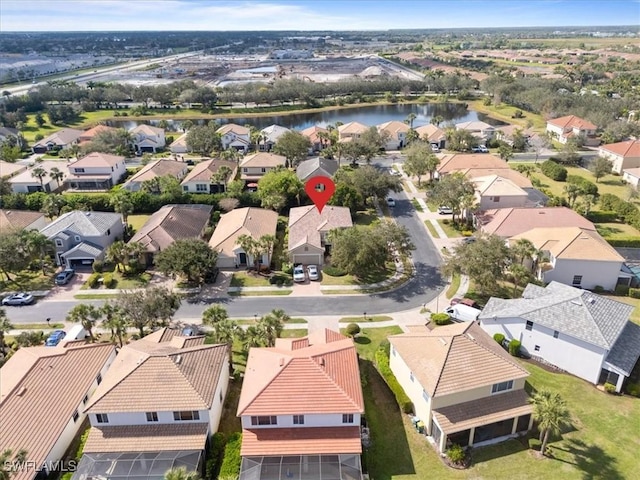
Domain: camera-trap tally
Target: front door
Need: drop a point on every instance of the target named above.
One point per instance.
(243, 258)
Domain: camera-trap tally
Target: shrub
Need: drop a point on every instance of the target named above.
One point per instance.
(440, 318)
(535, 444)
(109, 281)
(382, 362)
(467, 233)
(333, 271)
(446, 221)
(97, 266)
(598, 289)
(455, 453)
(622, 290)
(498, 337)
(634, 292)
(280, 280)
(216, 449)
(609, 387)
(514, 347)
(599, 216)
(554, 171)
(230, 467)
(287, 268)
(629, 242)
(92, 281)
(586, 187)
(632, 389)
(353, 329)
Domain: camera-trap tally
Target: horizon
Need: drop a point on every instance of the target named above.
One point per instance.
(64, 16)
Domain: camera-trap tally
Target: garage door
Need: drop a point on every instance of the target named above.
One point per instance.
(308, 259)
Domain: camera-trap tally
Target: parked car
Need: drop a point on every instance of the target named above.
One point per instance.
(18, 299)
(65, 276)
(442, 210)
(312, 271)
(391, 202)
(480, 149)
(298, 274)
(469, 239)
(465, 301)
(191, 331)
(435, 148)
(55, 337)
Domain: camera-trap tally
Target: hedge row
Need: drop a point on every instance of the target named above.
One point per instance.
(626, 211)
(586, 187)
(634, 292)
(382, 362)
(230, 468)
(554, 171)
(214, 455)
(629, 242)
(599, 216)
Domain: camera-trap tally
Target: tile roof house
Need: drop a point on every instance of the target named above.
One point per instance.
(25, 182)
(493, 191)
(163, 393)
(88, 135)
(147, 138)
(300, 409)
(16, 220)
(570, 126)
(465, 388)
(315, 167)
(456, 162)
(160, 168)
(308, 231)
(395, 133)
(255, 222)
(623, 155)
(587, 335)
(80, 238)
(630, 175)
(315, 134)
(510, 174)
(56, 141)
(201, 177)
(269, 137)
(235, 136)
(95, 171)
(508, 222)
(479, 129)
(507, 132)
(43, 391)
(8, 169)
(432, 134)
(577, 257)
(179, 145)
(254, 166)
(7, 132)
(171, 223)
(351, 130)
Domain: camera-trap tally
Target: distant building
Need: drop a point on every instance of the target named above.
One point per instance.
(64, 138)
(623, 155)
(564, 128)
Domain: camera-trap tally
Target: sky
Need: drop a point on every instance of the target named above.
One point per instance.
(224, 15)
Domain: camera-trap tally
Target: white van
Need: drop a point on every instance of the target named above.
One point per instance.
(76, 332)
(463, 313)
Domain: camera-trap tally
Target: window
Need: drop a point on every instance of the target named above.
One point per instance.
(152, 416)
(556, 334)
(264, 420)
(298, 419)
(577, 280)
(102, 418)
(59, 242)
(186, 416)
(529, 325)
(245, 170)
(537, 348)
(99, 378)
(263, 170)
(112, 169)
(425, 395)
(411, 376)
(502, 386)
(347, 418)
(202, 187)
(77, 238)
(185, 188)
(221, 397)
(393, 351)
(496, 199)
(75, 415)
(85, 399)
(109, 231)
(78, 170)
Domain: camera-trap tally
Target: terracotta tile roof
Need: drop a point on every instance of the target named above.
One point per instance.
(431, 132)
(634, 172)
(312, 133)
(255, 222)
(232, 127)
(455, 358)
(301, 441)
(159, 168)
(321, 378)
(88, 135)
(171, 223)
(17, 219)
(628, 148)
(393, 127)
(263, 159)
(507, 222)
(456, 418)
(306, 224)
(188, 377)
(40, 388)
(514, 176)
(571, 243)
(451, 163)
(494, 185)
(571, 122)
(352, 128)
(147, 438)
(180, 141)
(97, 159)
(8, 169)
(203, 171)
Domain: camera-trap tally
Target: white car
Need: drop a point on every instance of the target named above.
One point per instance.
(391, 202)
(298, 274)
(442, 210)
(18, 299)
(312, 271)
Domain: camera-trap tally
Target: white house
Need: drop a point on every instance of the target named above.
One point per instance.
(300, 410)
(570, 126)
(351, 131)
(156, 170)
(465, 389)
(254, 222)
(235, 136)
(395, 134)
(479, 129)
(64, 138)
(623, 155)
(494, 191)
(585, 334)
(148, 139)
(26, 182)
(632, 176)
(179, 145)
(253, 167)
(202, 178)
(163, 395)
(269, 136)
(29, 381)
(96, 171)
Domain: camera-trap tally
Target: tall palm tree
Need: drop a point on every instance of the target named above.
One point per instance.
(122, 204)
(221, 176)
(39, 173)
(117, 253)
(272, 327)
(214, 314)
(410, 118)
(251, 246)
(280, 315)
(252, 337)
(134, 251)
(523, 249)
(37, 244)
(114, 319)
(5, 326)
(551, 413)
(57, 175)
(86, 315)
(181, 473)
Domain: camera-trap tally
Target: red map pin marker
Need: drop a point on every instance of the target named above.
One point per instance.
(320, 189)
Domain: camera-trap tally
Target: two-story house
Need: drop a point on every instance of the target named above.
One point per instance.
(253, 167)
(156, 407)
(570, 126)
(351, 131)
(80, 238)
(622, 155)
(96, 171)
(316, 167)
(300, 407)
(308, 230)
(587, 335)
(64, 138)
(156, 170)
(148, 139)
(269, 137)
(203, 178)
(494, 191)
(465, 388)
(235, 136)
(395, 134)
(482, 130)
(43, 392)
(432, 134)
(318, 137)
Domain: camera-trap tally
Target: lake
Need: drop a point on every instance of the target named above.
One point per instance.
(370, 115)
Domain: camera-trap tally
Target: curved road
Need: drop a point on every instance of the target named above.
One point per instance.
(422, 288)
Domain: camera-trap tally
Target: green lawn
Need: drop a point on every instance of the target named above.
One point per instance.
(371, 277)
(294, 333)
(137, 221)
(251, 321)
(36, 326)
(123, 282)
(455, 285)
(432, 229)
(615, 230)
(370, 318)
(365, 217)
(417, 205)
(246, 279)
(27, 280)
(260, 294)
(506, 112)
(448, 229)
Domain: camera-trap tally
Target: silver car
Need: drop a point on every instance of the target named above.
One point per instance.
(312, 271)
(18, 299)
(298, 274)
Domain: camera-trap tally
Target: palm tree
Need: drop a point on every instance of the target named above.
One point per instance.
(180, 473)
(134, 251)
(6, 459)
(115, 321)
(37, 244)
(123, 205)
(252, 337)
(117, 254)
(251, 246)
(519, 274)
(86, 315)
(280, 315)
(272, 327)
(221, 176)
(214, 314)
(551, 413)
(57, 175)
(39, 173)
(436, 120)
(224, 330)
(5, 326)
(523, 249)
(410, 118)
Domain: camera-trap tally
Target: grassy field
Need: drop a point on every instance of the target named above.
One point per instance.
(365, 217)
(506, 113)
(137, 221)
(371, 277)
(369, 318)
(449, 230)
(26, 280)
(36, 326)
(615, 230)
(123, 282)
(246, 279)
(454, 286)
(261, 294)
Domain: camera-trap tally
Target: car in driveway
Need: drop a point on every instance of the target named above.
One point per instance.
(55, 337)
(480, 149)
(443, 210)
(298, 274)
(391, 202)
(312, 271)
(65, 276)
(18, 299)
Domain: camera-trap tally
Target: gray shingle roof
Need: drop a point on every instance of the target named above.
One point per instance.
(83, 250)
(626, 351)
(572, 311)
(307, 167)
(89, 224)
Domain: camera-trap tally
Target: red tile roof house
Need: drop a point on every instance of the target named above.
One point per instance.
(300, 409)
(623, 155)
(43, 391)
(564, 128)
